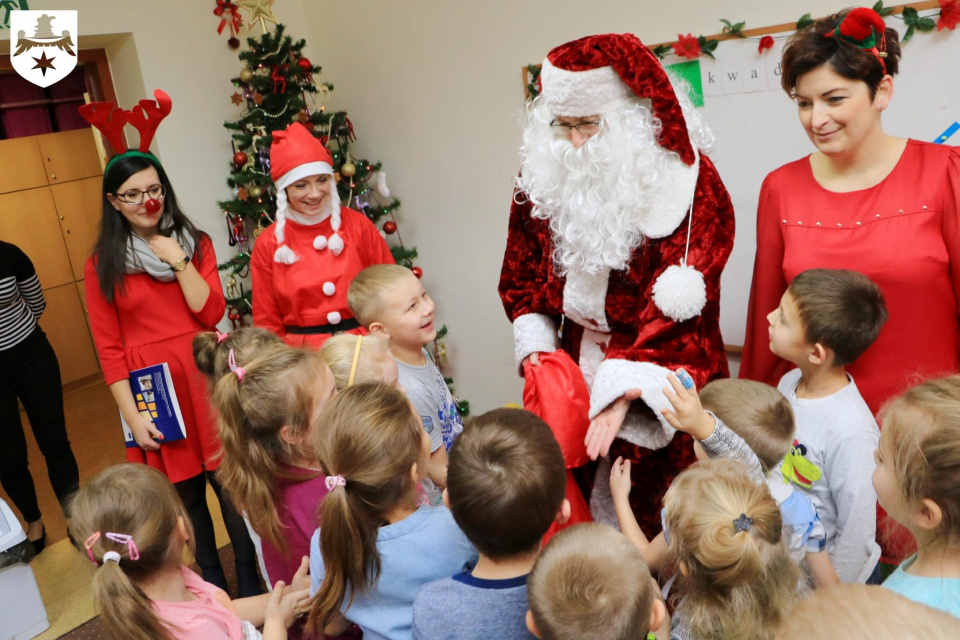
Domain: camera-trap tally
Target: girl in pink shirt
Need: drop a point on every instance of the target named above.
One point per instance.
(134, 529)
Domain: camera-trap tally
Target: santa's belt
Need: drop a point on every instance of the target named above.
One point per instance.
(343, 325)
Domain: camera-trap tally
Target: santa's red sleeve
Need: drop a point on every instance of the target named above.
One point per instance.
(523, 283)
(758, 362)
(664, 344)
(266, 308)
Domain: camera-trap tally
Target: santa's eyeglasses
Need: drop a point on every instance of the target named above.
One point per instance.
(135, 196)
(588, 128)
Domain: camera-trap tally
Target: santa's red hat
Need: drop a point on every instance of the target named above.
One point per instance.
(597, 74)
(294, 155)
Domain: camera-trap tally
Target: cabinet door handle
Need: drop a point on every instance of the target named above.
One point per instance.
(54, 176)
(62, 218)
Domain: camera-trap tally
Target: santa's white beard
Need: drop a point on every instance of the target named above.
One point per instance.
(596, 196)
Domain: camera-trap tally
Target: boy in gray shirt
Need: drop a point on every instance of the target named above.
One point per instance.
(505, 486)
(826, 319)
(391, 303)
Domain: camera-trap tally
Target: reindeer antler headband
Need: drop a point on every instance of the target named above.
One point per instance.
(145, 117)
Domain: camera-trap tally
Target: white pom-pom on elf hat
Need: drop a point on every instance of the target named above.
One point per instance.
(680, 291)
(296, 154)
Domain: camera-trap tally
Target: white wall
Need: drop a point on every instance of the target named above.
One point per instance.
(434, 89)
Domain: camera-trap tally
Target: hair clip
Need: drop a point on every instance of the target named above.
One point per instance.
(88, 545)
(356, 358)
(742, 523)
(111, 556)
(221, 336)
(123, 538)
(232, 361)
(333, 482)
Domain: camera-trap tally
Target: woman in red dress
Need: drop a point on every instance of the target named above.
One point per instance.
(303, 265)
(151, 285)
(884, 206)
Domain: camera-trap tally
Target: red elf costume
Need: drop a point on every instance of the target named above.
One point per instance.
(627, 322)
(302, 266)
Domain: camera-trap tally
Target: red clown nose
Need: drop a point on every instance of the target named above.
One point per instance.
(152, 205)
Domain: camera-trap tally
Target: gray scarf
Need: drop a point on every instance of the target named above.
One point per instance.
(140, 259)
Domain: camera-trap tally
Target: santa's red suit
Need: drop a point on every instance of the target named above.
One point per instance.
(627, 328)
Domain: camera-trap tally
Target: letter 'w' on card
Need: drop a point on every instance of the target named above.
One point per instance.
(710, 78)
(732, 75)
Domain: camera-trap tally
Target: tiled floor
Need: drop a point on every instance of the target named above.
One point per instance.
(63, 574)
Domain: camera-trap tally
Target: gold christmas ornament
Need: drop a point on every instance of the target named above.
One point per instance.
(255, 191)
(246, 74)
(348, 169)
(258, 11)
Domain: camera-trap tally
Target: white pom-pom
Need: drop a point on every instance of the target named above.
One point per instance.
(285, 255)
(382, 187)
(335, 244)
(333, 317)
(329, 288)
(680, 292)
(319, 243)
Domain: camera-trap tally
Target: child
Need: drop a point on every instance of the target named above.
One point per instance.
(825, 320)
(862, 612)
(376, 546)
(134, 529)
(211, 350)
(390, 301)
(269, 409)
(759, 435)
(735, 577)
(918, 482)
(505, 486)
(590, 582)
(354, 359)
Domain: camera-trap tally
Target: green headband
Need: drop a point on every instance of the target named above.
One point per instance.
(132, 154)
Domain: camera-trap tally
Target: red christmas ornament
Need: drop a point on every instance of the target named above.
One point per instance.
(304, 64)
(239, 158)
(389, 227)
(152, 205)
(417, 271)
(233, 43)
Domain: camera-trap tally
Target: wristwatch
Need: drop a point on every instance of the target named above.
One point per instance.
(180, 265)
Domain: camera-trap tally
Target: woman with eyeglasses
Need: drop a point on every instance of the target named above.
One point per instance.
(152, 285)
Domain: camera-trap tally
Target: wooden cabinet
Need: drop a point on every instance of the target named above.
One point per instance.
(50, 207)
(79, 206)
(69, 155)
(21, 166)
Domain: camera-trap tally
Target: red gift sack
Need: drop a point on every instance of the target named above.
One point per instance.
(557, 392)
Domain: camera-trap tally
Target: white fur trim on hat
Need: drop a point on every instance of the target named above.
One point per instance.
(534, 332)
(680, 292)
(583, 93)
(309, 169)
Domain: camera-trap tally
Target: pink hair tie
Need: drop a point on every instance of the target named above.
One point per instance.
(88, 545)
(232, 361)
(122, 538)
(333, 482)
(221, 336)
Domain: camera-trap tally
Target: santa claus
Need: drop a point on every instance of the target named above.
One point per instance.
(618, 233)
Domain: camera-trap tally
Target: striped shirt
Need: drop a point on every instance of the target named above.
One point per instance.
(21, 298)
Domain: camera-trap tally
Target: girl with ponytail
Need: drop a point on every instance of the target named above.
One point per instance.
(735, 577)
(134, 528)
(269, 404)
(376, 545)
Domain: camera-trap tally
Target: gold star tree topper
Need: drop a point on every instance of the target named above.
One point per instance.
(259, 11)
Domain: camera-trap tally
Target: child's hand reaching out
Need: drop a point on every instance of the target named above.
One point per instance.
(286, 603)
(688, 414)
(620, 481)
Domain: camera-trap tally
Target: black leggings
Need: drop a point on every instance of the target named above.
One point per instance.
(30, 371)
(193, 493)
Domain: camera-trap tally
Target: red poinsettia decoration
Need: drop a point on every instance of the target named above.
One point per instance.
(766, 42)
(687, 46)
(949, 14)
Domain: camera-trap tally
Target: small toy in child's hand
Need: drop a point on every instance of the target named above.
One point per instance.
(685, 379)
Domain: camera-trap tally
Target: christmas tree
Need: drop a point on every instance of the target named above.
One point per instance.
(279, 86)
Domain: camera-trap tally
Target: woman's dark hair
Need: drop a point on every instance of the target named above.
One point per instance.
(811, 48)
(112, 244)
